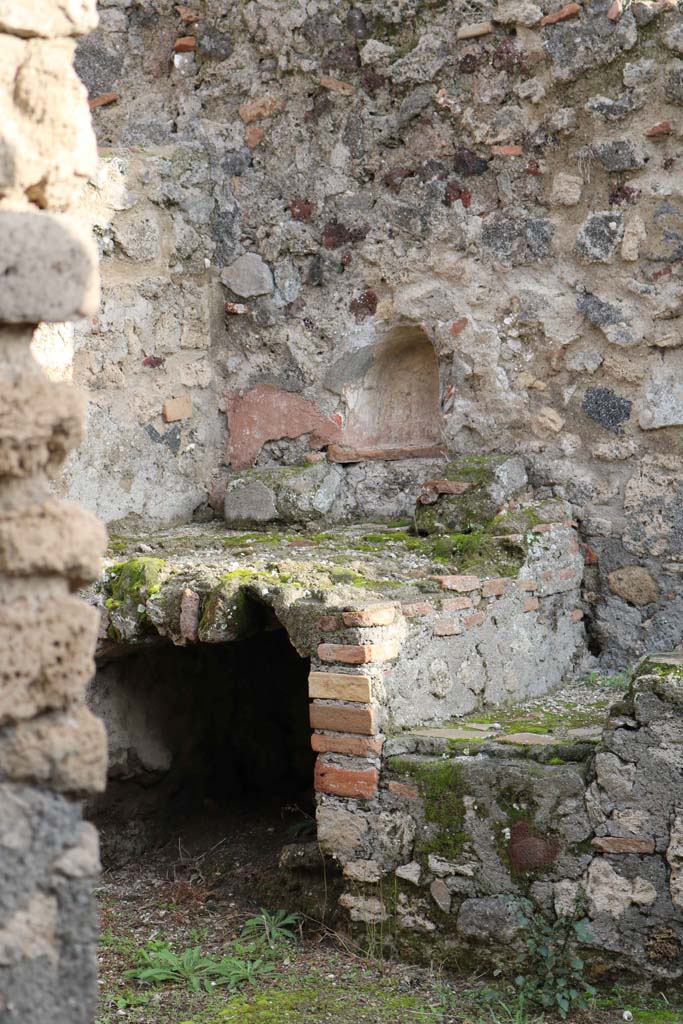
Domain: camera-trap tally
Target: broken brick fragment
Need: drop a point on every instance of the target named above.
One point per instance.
(104, 100)
(568, 11)
(186, 44)
(301, 209)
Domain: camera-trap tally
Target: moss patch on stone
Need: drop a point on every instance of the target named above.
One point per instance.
(441, 787)
(133, 581)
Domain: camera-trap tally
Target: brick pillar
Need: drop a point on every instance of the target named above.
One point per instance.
(52, 750)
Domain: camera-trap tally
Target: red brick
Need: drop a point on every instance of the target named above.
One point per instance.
(531, 604)
(617, 844)
(495, 588)
(474, 620)
(403, 789)
(340, 686)
(327, 624)
(577, 615)
(567, 574)
(189, 615)
(343, 743)
(185, 44)
(548, 575)
(568, 11)
(527, 584)
(447, 627)
(257, 109)
(352, 782)
(412, 611)
(343, 718)
(457, 604)
(461, 583)
(370, 617)
(358, 654)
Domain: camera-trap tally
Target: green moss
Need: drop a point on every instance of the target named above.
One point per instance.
(134, 581)
(442, 789)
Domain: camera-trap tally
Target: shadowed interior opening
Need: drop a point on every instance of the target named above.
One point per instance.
(199, 735)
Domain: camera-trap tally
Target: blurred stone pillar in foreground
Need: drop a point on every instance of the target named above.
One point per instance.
(52, 750)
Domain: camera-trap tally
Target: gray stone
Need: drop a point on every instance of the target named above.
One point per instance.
(248, 276)
(606, 408)
(441, 895)
(662, 402)
(48, 266)
(491, 920)
(517, 240)
(616, 155)
(599, 236)
(409, 872)
(249, 501)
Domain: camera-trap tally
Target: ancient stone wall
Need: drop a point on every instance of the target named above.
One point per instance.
(284, 186)
(52, 749)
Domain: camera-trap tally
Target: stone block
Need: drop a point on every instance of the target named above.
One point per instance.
(65, 750)
(177, 409)
(47, 661)
(340, 718)
(381, 616)
(247, 502)
(339, 686)
(40, 422)
(618, 844)
(348, 782)
(340, 743)
(47, 18)
(633, 583)
(49, 268)
(460, 583)
(53, 538)
(248, 276)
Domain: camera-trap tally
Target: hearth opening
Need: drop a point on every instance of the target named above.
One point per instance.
(206, 742)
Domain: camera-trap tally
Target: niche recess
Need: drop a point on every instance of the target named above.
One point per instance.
(391, 391)
(198, 734)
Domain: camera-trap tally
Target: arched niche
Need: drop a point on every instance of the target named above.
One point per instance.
(391, 392)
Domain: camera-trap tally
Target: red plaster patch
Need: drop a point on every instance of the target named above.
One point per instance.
(267, 414)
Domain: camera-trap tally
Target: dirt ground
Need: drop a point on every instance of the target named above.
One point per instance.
(214, 873)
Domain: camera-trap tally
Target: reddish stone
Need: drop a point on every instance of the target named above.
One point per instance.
(395, 178)
(457, 604)
(495, 588)
(301, 209)
(460, 583)
(266, 414)
(335, 85)
(154, 362)
(358, 654)
(617, 844)
(370, 617)
(343, 718)
(364, 305)
(185, 44)
(328, 623)
(589, 555)
(663, 128)
(615, 11)
(418, 608)
(433, 488)
(459, 326)
(529, 852)
(568, 11)
(343, 743)
(335, 235)
(258, 109)
(189, 615)
(253, 136)
(477, 619)
(506, 151)
(350, 782)
(403, 789)
(104, 100)
(447, 627)
(455, 192)
(531, 604)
